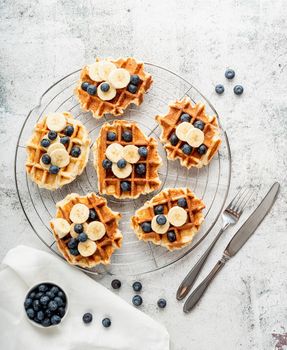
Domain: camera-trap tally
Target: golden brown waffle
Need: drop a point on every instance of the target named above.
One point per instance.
(41, 175)
(123, 98)
(108, 183)
(106, 245)
(168, 198)
(169, 122)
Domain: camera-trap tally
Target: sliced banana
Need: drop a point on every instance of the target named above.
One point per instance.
(105, 68)
(93, 70)
(54, 146)
(61, 227)
(114, 152)
(96, 230)
(60, 157)
(87, 248)
(177, 216)
(182, 130)
(160, 229)
(75, 234)
(56, 121)
(106, 95)
(131, 154)
(79, 213)
(195, 137)
(119, 78)
(122, 173)
(44, 166)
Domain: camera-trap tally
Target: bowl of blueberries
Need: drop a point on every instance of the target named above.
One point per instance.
(46, 305)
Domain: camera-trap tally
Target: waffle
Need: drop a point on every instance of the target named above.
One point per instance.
(123, 98)
(39, 173)
(108, 183)
(105, 246)
(168, 198)
(169, 122)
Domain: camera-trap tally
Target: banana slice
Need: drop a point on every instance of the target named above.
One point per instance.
(131, 154)
(195, 137)
(93, 70)
(54, 146)
(87, 248)
(106, 95)
(177, 216)
(60, 157)
(96, 230)
(115, 152)
(61, 227)
(119, 78)
(122, 173)
(105, 68)
(79, 213)
(56, 121)
(160, 229)
(75, 234)
(182, 130)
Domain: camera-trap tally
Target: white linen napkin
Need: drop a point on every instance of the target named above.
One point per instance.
(24, 267)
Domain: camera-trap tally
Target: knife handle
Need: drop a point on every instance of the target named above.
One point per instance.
(199, 291)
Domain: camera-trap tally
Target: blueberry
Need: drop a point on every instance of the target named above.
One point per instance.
(107, 164)
(127, 136)
(140, 169)
(59, 301)
(52, 135)
(137, 286)
(78, 228)
(32, 295)
(48, 313)
(121, 163)
(182, 202)
(28, 303)
(199, 124)
(143, 152)
(202, 149)
(185, 117)
(55, 290)
(61, 294)
(74, 251)
(50, 294)
(87, 317)
(173, 140)
(54, 169)
(135, 79)
(116, 284)
(106, 322)
(75, 152)
(82, 237)
(111, 136)
(161, 303)
(125, 186)
(30, 313)
(61, 311)
(65, 140)
(132, 88)
(161, 219)
(44, 300)
(93, 215)
(238, 89)
(186, 149)
(73, 243)
(68, 131)
(219, 89)
(158, 209)
(43, 288)
(84, 85)
(146, 227)
(55, 319)
(105, 87)
(36, 305)
(92, 90)
(46, 159)
(38, 295)
(36, 319)
(46, 322)
(45, 143)
(229, 74)
(40, 315)
(171, 236)
(52, 306)
(137, 300)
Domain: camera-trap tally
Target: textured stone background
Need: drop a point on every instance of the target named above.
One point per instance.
(43, 40)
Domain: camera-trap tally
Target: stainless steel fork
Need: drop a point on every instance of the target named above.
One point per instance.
(230, 216)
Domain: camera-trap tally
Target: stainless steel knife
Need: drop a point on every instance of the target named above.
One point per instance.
(235, 244)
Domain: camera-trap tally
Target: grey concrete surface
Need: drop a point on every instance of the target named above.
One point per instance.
(41, 41)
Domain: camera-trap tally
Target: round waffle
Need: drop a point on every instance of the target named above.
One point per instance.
(39, 172)
(110, 184)
(168, 199)
(123, 98)
(171, 120)
(106, 243)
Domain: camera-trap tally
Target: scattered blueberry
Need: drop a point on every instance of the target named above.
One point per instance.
(40, 315)
(87, 317)
(45, 143)
(229, 74)
(84, 85)
(137, 300)
(173, 139)
(36, 305)
(93, 215)
(59, 301)
(78, 228)
(73, 243)
(161, 219)
(161, 303)
(30, 313)
(135, 79)
(121, 163)
(140, 169)
(105, 87)
(46, 322)
(106, 322)
(158, 209)
(44, 300)
(186, 149)
(202, 149)
(146, 227)
(65, 140)
(185, 117)
(82, 237)
(199, 124)
(92, 90)
(46, 159)
(52, 306)
(74, 251)
(61, 311)
(107, 164)
(219, 89)
(75, 151)
(116, 284)
(171, 236)
(127, 136)
(137, 286)
(132, 88)
(182, 202)
(125, 186)
(111, 136)
(143, 152)
(54, 169)
(238, 89)
(52, 135)
(68, 131)
(55, 319)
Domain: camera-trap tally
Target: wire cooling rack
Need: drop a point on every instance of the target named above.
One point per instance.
(211, 183)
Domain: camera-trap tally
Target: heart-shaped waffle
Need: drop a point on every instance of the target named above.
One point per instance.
(179, 213)
(98, 222)
(179, 148)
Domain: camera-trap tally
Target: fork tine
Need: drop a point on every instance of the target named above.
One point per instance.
(246, 201)
(234, 200)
